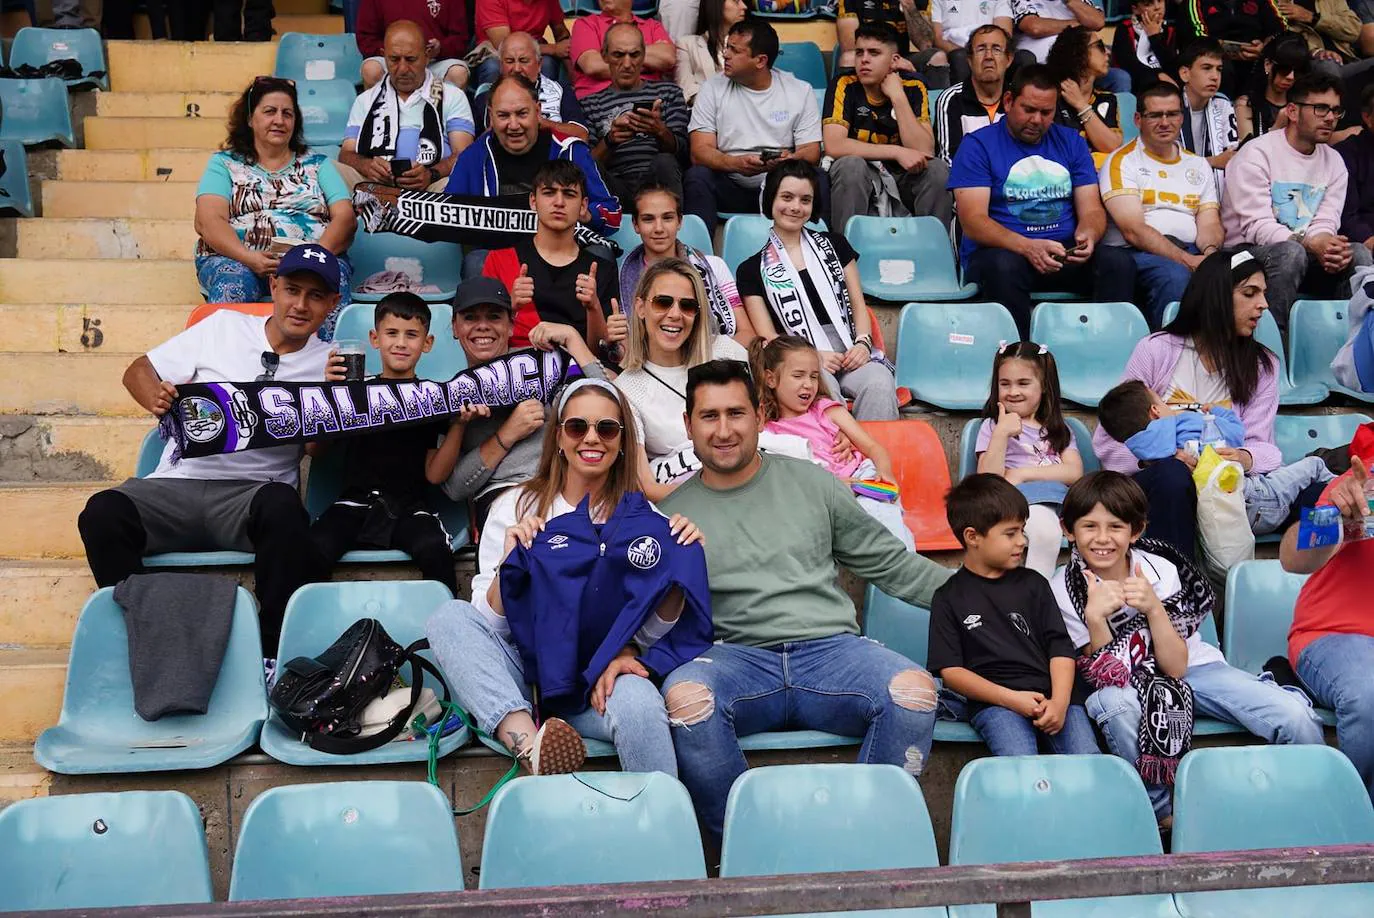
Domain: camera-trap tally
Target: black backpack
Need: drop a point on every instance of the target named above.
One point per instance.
(323, 698)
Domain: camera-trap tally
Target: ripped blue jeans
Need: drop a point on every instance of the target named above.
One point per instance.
(224, 280)
(1269, 497)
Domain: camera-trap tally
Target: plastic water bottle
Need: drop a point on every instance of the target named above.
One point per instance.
(1323, 526)
(1211, 434)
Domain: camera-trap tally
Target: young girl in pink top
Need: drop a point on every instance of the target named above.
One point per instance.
(787, 371)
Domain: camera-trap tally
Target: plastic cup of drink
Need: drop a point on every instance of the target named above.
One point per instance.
(354, 358)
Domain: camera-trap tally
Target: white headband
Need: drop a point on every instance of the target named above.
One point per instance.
(1240, 258)
(583, 383)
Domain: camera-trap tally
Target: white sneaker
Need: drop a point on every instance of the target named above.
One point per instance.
(557, 749)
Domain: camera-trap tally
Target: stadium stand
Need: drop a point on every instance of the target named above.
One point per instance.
(1316, 331)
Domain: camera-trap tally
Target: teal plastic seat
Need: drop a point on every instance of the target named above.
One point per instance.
(149, 453)
(791, 819)
(324, 110)
(316, 615)
(1125, 112)
(351, 838)
(444, 360)
(302, 57)
(1260, 596)
(692, 232)
(1091, 343)
(39, 47)
(804, 61)
(1316, 331)
(968, 443)
(15, 195)
(1268, 334)
(945, 351)
(820, 99)
(99, 851)
(746, 234)
(1055, 808)
(1299, 434)
(591, 827)
(98, 731)
(1247, 797)
(35, 112)
(440, 265)
(905, 259)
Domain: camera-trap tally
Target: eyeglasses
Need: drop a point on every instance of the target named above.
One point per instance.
(663, 302)
(606, 429)
(1321, 109)
(1175, 115)
(1100, 45)
(270, 361)
(989, 49)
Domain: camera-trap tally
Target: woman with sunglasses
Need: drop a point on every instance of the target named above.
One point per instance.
(263, 193)
(592, 663)
(1077, 60)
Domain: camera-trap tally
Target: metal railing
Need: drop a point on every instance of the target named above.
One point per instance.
(1012, 887)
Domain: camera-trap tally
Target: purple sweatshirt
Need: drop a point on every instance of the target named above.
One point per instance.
(1152, 362)
(1273, 191)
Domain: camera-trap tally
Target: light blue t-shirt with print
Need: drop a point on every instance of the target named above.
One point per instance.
(289, 203)
(455, 111)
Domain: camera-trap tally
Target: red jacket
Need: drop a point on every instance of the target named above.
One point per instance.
(449, 25)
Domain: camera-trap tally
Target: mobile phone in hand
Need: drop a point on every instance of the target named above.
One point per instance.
(644, 106)
(770, 155)
(400, 167)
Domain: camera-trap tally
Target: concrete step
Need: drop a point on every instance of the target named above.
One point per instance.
(164, 104)
(41, 600)
(149, 133)
(30, 692)
(129, 165)
(76, 384)
(74, 329)
(146, 200)
(49, 513)
(188, 66)
(76, 237)
(96, 280)
(21, 778)
(55, 448)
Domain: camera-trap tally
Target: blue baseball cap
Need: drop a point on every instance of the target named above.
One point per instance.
(315, 259)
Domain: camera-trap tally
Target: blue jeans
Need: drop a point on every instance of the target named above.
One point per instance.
(224, 280)
(1008, 733)
(1005, 277)
(1162, 279)
(1336, 668)
(1269, 497)
(843, 684)
(488, 681)
(350, 14)
(1271, 712)
(1116, 80)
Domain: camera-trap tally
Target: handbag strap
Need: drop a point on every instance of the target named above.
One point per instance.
(434, 737)
(353, 745)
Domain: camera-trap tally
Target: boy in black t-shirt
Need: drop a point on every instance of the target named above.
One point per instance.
(386, 474)
(996, 634)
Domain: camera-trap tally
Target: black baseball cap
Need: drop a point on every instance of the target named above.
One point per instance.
(482, 291)
(313, 258)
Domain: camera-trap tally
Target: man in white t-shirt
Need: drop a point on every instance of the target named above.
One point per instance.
(1161, 201)
(243, 501)
(953, 22)
(409, 128)
(746, 122)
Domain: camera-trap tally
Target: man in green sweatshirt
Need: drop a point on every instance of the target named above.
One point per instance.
(789, 654)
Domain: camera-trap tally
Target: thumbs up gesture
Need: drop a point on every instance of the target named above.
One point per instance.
(522, 291)
(1104, 597)
(586, 290)
(1140, 594)
(1008, 422)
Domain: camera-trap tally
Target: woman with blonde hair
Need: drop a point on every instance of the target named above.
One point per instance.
(528, 632)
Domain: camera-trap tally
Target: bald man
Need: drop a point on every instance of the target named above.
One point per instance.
(443, 26)
(409, 128)
(559, 109)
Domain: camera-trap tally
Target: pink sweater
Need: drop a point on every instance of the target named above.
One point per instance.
(1273, 191)
(1152, 362)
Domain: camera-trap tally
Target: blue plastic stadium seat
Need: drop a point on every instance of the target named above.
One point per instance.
(746, 234)
(1299, 434)
(906, 258)
(692, 232)
(444, 360)
(148, 455)
(1125, 112)
(99, 851)
(302, 57)
(316, 615)
(324, 111)
(1268, 334)
(1316, 331)
(14, 184)
(98, 731)
(39, 47)
(351, 838)
(591, 827)
(804, 61)
(790, 819)
(439, 265)
(820, 99)
(945, 351)
(1091, 343)
(1041, 808)
(968, 442)
(1246, 797)
(35, 111)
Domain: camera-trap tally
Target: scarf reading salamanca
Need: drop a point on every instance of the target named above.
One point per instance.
(222, 417)
(1166, 703)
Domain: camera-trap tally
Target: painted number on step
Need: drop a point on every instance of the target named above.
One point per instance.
(192, 109)
(91, 335)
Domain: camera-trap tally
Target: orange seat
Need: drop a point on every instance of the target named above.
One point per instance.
(252, 309)
(918, 460)
(903, 393)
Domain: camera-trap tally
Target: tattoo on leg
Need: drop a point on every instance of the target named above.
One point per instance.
(518, 742)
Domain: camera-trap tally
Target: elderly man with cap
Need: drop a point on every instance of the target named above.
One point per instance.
(409, 128)
(241, 501)
(559, 109)
(502, 451)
